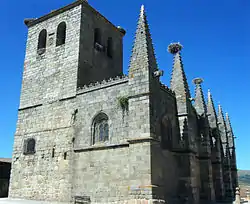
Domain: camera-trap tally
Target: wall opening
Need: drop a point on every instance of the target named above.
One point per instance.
(42, 40)
(110, 47)
(61, 34)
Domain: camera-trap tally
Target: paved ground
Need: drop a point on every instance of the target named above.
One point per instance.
(18, 201)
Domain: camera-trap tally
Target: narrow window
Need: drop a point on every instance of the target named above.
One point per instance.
(42, 41)
(101, 128)
(65, 155)
(166, 134)
(29, 146)
(97, 37)
(53, 152)
(61, 34)
(110, 48)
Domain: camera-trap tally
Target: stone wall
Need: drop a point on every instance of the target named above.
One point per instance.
(52, 75)
(94, 63)
(44, 175)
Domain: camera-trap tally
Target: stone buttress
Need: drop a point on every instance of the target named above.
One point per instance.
(226, 155)
(188, 181)
(231, 143)
(204, 145)
(216, 150)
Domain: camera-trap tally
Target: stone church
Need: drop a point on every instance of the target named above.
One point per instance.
(87, 133)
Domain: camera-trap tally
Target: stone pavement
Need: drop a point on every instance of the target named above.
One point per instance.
(20, 201)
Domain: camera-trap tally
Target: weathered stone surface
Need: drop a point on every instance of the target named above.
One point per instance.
(103, 136)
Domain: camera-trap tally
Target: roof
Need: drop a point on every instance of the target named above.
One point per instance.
(5, 160)
(31, 22)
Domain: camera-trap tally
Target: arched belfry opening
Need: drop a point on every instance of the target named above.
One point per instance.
(61, 34)
(42, 40)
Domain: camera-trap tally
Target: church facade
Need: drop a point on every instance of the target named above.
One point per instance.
(87, 133)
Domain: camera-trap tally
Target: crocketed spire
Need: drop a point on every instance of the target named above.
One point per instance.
(212, 117)
(143, 56)
(178, 80)
(230, 132)
(222, 128)
(199, 104)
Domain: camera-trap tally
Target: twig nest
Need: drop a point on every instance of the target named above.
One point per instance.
(174, 48)
(197, 80)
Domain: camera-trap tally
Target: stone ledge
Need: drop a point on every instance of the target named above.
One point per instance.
(102, 85)
(101, 147)
(142, 139)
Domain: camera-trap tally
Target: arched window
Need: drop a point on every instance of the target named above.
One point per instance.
(61, 34)
(110, 47)
(42, 41)
(166, 133)
(100, 128)
(97, 37)
(29, 146)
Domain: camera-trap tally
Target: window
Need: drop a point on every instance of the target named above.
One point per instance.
(100, 128)
(166, 133)
(110, 48)
(97, 40)
(61, 34)
(97, 37)
(29, 146)
(42, 41)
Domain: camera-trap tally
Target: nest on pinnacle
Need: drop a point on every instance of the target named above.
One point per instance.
(173, 48)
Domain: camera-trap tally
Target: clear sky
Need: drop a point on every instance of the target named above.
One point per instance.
(215, 35)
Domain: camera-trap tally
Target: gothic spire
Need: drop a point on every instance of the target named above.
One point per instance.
(178, 80)
(230, 132)
(143, 56)
(212, 117)
(199, 104)
(223, 129)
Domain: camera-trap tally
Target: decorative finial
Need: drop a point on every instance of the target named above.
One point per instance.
(174, 48)
(197, 81)
(142, 10)
(122, 30)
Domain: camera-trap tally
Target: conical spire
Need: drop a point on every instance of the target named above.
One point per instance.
(143, 56)
(199, 104)
(212, 117)
(230, 132)
(178, 80)
(223, 129)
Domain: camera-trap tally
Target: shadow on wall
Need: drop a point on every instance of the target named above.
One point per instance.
(5, 167)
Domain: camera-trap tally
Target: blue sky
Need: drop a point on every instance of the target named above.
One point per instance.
(215, 35)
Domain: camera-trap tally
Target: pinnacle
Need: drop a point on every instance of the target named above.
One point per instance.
(143, 55)
(212, 117)
(200, 105)
(178, 80)
(142, 11)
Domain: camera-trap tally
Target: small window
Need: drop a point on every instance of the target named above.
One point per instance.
(29, 146)
(42, 41)
(110, 48)
(61, 34)
(101, 128)
(166, 134)
(53, 152)
(97, 37)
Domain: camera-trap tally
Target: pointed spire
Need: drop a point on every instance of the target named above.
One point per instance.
(223, 129)
(230, 132)
(178, 80)
(143, 56)
(212, 117)
(199, 104)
